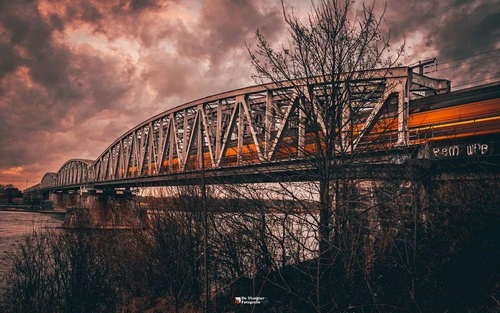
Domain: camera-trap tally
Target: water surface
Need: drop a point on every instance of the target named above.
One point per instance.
(14, 227)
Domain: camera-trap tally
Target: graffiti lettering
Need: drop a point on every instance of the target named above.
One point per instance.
(452, 151)
(477, 149)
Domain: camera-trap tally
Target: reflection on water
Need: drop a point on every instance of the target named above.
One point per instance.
(14, 227)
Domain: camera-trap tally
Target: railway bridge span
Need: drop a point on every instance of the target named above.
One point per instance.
(262, 133)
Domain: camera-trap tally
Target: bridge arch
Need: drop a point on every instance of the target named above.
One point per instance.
(257, 124)
(262, 126)
(74, 172)
(49, 180)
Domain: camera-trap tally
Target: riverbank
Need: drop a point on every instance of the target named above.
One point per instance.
(15, 226)
(28, 208)
(19, 207)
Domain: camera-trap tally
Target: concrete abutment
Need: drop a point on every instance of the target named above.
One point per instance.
(97, 209)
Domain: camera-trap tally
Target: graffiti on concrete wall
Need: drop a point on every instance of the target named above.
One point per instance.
(465, 150)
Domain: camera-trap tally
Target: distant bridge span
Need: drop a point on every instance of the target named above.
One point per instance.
(249, 133)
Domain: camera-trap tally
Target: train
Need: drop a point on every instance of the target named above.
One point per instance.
(465, 113)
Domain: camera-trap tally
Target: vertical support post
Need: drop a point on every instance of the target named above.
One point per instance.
(403, 113)
(346, 143)
(71, 172)
(126, 156)
(218, 135)
(268, 124)
(150, 148)
(172, 142)
(135, 154)
(142, 152)
(81, 173)
(116, 169)
(200, 141)
(184, 140)
(301, 140)
(241, 128)
(109, 171)
(160, 148)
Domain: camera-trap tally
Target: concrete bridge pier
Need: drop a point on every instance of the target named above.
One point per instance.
(63, 201)
(104, 209)
(379, 205)
(35, 199)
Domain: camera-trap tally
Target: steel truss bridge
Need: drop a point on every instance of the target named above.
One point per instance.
(250, 133)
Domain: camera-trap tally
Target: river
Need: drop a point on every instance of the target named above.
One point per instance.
(14, 227)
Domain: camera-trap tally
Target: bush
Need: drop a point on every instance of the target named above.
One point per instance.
(60, 272)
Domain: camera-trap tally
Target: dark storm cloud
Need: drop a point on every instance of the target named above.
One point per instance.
(61, 100)
(137, 5)
(232, 23)
(30, 38)
(212, 48)
(224, 27)
(8, 59)
(455, 30)
(468, 30)
(47, 88)
(116, 18)
(96, 10)
(12, 32)
(86, 11)
(28, 46)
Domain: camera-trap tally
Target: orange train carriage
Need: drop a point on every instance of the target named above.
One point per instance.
(459, 114)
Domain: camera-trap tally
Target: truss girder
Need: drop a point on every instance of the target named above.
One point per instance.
(49, 180)
(73, 172)
(253, 125)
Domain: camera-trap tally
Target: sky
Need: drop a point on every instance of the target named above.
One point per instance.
(76, 75)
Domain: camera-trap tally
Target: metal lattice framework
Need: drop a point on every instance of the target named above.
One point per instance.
(74, 172)
(49, 180)
(254, 125)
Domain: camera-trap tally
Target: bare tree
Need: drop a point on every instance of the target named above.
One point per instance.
(333, 66)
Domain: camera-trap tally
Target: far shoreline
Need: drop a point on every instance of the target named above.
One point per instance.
(27, 208)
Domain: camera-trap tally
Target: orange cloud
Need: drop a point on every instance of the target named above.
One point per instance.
(13, 171)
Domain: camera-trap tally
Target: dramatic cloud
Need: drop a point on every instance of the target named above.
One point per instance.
(451, 31)
(75, 75)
